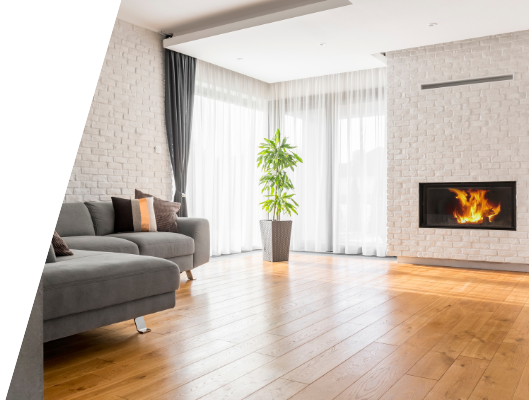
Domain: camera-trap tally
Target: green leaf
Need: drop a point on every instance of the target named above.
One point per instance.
(275, 158)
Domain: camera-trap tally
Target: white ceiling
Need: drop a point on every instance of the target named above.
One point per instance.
(290, 49)
(180, 15)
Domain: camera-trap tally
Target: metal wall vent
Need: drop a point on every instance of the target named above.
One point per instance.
(437, 85)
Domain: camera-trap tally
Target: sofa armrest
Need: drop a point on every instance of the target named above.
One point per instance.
(198, 229)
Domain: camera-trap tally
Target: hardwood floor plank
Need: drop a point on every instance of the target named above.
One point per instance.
(246, 385)
(303, 336)
(209, 382)
(340, 378)
(503, 374)
(172, 356)
(265, 285)
(401, 333)
(165, 376)
(57, 376)
(367, 301)
(329, 359)
(479, 348)
(459, 380)
(297, 297)
(383, 376)
(494, 331)
(80, 352)
(72, 387)
(312, 332)
(409, 388)
(307, 315)
(280, 389)
(519, 332)
(437, 361)
(300, 355)
(316, 327)
(522, 390)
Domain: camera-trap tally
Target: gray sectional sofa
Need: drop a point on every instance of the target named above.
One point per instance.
(113, 276)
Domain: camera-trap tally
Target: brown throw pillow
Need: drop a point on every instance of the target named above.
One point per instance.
(165, 212)
(60, 246)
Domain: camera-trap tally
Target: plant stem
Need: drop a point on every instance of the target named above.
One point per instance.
(278, 194)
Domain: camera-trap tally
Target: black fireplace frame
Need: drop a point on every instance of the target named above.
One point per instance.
(465, 185)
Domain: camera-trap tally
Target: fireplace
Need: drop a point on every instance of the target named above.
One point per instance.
(468, 205)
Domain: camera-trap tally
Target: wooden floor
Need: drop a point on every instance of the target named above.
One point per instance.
(318, 327)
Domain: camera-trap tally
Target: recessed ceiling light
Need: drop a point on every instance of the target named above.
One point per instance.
(239, 59)
(323, 44)
(433, 24)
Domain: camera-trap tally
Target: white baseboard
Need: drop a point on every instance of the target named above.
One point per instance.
(440, 262)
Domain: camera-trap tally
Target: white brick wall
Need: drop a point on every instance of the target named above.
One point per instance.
(465, 133)
(125, 123)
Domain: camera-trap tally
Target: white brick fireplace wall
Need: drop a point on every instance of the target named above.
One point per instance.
(125, 123)
(464, 133)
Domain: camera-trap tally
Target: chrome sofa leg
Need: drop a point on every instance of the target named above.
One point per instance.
(190, 275)
(140, 325)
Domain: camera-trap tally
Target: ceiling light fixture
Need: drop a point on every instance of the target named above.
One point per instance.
(323, 44)
(239, 59)
(433, 24)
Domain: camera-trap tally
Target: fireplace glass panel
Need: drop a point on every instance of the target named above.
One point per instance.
(488, 205)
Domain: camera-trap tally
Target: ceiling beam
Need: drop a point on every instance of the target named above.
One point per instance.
(279, 11)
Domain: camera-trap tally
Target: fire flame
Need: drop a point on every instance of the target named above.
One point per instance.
(474, 206)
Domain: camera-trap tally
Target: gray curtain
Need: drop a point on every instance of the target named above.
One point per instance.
(179, 96)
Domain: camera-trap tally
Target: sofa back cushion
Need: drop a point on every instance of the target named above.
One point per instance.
(75, 220)
(102, 213)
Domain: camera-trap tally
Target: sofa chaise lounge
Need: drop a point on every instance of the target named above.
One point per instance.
(113, 276)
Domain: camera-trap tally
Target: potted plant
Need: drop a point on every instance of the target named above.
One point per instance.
(275, 158)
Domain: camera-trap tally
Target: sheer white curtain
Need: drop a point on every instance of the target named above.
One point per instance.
(229, 122)
(338, 123)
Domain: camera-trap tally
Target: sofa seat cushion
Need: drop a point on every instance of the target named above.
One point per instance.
(93, 280)
(102, 243)
(160, 244)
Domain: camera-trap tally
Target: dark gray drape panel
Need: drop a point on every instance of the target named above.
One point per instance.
(179, 97)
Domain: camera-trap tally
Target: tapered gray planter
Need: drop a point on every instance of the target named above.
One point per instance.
(275, 236)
